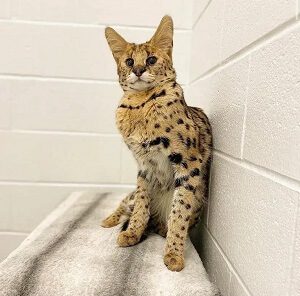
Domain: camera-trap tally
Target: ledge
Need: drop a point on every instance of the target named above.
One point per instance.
(70, 254)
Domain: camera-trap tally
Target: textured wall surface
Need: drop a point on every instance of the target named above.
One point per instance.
(239, 60)
(245, 72)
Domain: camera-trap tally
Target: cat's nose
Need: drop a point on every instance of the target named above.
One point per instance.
(139, 70)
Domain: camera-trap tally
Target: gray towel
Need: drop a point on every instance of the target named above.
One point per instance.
(70, 254)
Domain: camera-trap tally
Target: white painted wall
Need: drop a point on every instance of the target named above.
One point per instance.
(245, 72)
(239, 60)
(58, 94)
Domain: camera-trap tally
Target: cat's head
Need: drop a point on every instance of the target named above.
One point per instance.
(143, 66)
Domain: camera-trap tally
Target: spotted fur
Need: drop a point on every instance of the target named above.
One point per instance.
(170, 141)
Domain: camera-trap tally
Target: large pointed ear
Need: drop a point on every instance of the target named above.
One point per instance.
(163, 37)
(116, 43)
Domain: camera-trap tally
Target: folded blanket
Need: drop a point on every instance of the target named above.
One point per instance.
(70, 254)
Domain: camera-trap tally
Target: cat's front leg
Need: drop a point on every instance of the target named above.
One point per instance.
(184, 205)
(140, 215)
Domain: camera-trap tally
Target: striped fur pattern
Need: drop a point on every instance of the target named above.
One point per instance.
(170, 141)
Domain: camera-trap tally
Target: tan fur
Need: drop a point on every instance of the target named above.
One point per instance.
(170, 141)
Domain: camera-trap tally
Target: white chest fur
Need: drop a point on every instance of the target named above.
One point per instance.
(160, 176)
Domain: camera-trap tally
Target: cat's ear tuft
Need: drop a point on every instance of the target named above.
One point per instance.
(116, 43)
(163, 37)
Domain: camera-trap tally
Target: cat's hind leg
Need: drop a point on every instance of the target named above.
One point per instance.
(122, 213)
(140, 215)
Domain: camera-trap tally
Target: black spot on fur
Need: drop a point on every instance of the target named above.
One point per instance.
(188, 206)
(153, 96)
(195, 172)
(189, 187)
(178, 182)
(188, 142)
(165, 141)
(184, 164)
(180, 121)
(142, 174)
(157, 125)
(193, 158)
(194, 142)
(168, 129)
(180, 137)
(154, 142)
(175, 157)
(161, 94)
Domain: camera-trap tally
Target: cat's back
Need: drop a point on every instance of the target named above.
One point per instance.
(205, 131)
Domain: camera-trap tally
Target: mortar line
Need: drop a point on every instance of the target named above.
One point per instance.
(57, 78)
(229, 285)
(201, 14)
(61, 132)
(228, 263)
(65, 184)
(63, 79)
(293, 248)
(248, 49)
(13, 232)
(86, 25)
(283, 180)
(245, 107)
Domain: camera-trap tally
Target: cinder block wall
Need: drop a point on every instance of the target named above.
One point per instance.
(58, 94)
(245, 72)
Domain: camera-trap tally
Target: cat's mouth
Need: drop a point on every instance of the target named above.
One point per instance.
(139, 83)
(145, 77)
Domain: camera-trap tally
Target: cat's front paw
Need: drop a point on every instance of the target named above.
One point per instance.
(174, 262)
(127, 238)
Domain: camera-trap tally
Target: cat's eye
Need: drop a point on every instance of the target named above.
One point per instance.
(151, 60)
(129, 62)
